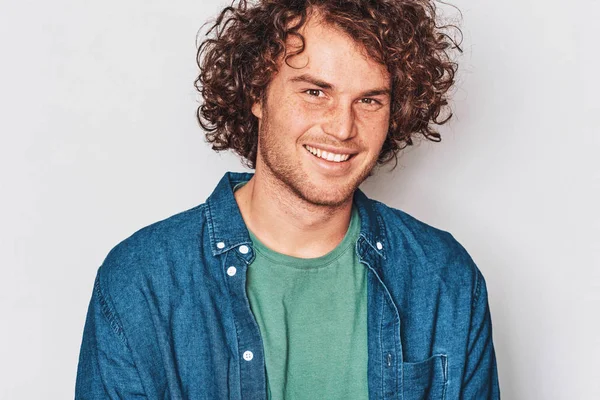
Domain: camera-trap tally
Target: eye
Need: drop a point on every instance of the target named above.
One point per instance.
(313, 92)
(369, 101)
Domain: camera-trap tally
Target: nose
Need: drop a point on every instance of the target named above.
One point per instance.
(340, 122)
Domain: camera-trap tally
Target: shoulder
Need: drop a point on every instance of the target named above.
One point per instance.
(427, 250)
(151, 249)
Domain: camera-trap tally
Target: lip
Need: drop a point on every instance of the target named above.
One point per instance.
(330, 149)
(331, 168)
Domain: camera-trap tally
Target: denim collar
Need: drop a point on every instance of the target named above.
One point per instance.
(227, 228)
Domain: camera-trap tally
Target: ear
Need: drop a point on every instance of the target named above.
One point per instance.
(257, 109)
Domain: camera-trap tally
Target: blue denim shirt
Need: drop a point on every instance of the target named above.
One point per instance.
(166, 320)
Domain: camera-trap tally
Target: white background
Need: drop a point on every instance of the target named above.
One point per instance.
(98, 138)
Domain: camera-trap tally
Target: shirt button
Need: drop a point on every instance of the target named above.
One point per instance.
(379, 246)
(244, 249)
(220, 245)
(231, 271)
(248, 356)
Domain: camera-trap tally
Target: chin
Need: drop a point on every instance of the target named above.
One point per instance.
(329, 197)
(312, 186)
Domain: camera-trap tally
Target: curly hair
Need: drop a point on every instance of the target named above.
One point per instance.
(244, 46)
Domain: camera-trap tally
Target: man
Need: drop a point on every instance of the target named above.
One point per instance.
(290, 283)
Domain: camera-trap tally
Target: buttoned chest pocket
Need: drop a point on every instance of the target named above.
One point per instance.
(426, 380)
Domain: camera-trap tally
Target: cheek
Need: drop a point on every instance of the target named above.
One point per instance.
(376, 130)
(383, 132)
(294, 117)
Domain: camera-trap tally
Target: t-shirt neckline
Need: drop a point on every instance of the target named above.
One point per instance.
(310, 263)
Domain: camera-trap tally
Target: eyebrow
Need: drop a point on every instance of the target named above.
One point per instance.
(312, 80)
(307, 78)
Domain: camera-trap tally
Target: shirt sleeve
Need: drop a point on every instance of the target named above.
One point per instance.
(106, 369)
(480, 380)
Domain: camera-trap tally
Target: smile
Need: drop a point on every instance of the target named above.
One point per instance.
(327, 155)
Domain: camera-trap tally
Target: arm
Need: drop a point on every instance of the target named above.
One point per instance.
(480, 380)
(106, 368)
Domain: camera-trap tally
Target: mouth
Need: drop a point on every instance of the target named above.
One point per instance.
(328, 155)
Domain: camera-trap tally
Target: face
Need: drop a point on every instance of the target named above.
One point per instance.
(324, 118)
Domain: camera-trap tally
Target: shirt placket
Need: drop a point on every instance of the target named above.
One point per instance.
(250, 354)
(384, 346)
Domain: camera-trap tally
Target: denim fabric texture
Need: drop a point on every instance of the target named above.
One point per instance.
(169, 318)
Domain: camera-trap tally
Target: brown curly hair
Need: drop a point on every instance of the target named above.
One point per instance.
(243, 47)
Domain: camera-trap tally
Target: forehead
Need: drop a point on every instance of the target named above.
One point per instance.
(333, 56)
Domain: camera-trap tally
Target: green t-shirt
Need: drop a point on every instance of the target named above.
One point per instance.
(312, 314)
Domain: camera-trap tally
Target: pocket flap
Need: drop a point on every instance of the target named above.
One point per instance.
(426, 379)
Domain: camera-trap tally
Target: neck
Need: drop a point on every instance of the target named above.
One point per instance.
(288, 224)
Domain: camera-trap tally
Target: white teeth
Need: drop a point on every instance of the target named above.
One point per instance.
(327, 155)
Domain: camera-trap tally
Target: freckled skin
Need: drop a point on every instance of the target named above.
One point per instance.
(345, 116)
